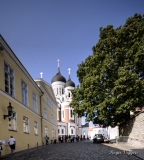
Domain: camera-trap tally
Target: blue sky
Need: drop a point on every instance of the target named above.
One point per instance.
(42, 31)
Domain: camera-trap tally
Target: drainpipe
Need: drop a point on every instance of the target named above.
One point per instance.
(41, 117)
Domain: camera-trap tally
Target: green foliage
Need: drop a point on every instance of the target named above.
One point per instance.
(111, 79)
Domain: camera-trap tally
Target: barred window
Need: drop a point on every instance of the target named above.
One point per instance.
(25, 124)
(36, 128)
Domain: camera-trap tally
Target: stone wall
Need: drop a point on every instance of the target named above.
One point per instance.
(134, 129)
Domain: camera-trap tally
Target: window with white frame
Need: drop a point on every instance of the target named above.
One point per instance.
(25, 124)
(13, 122)
(58, 131)
(71, 131)
(45, 113)
(9, 80)
(36, 128)
(34, 102)
(24, 93)
(71, 113)
(46, 131)
(62, 91)
(62, 131)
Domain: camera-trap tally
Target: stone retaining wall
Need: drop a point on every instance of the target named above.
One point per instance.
(135, 130)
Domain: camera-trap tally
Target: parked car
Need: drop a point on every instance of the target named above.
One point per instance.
(98, 138)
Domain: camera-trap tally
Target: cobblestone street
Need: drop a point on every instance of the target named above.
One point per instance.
(74, 151)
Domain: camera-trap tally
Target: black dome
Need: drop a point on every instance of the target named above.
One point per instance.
(58, 77)
(69, 83)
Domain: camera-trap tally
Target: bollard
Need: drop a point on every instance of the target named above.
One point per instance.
(37, 145)
(28, 147)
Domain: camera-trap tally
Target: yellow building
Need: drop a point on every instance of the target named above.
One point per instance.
(34, 109)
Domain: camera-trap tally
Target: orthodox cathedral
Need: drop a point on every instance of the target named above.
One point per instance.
(68, 124)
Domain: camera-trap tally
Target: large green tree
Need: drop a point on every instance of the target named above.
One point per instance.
(111, 79)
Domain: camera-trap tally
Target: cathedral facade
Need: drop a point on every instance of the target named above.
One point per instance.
(68, 124)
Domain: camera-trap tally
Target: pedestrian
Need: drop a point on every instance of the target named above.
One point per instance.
(61, 139)
(71, 138)
(12, 144)
(1, 148)
(46, 138)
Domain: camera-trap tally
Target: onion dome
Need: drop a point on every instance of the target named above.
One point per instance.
(58, 76)
(69, 82)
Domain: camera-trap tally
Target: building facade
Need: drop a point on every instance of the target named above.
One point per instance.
(68, 124)
(28, 108)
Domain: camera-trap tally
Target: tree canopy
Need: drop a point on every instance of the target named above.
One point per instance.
(111, 79)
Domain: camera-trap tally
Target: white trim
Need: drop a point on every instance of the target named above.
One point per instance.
(11, 98)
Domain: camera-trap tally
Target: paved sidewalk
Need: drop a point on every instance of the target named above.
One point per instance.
(138, 152)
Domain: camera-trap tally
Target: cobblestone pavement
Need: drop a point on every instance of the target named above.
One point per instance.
(75, 151)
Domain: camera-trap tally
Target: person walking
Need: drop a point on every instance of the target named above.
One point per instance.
(46, 138)
(12, 144)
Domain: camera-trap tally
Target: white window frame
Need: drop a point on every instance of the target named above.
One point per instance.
(34, 101)
(45, 113)
(26, 125)
(35, 128)
(12, 123)
(24, 93)
(9, 79)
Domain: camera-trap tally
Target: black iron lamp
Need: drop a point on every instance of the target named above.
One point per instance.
(10, 111)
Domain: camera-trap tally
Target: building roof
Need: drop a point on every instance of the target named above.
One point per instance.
(58, 77)
(69, 83)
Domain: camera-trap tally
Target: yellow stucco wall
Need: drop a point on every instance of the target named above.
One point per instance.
(23, 139)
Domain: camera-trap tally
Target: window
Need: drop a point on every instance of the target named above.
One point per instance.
(57, 90)
(58, 131)
(62, 131)
(62, 99)
(24, 93)
(46, 131)
(53, 134)
(62, 114)
(36, 128)
(71, 131)
(25, 125)
(69, 94)
(13, 122)
(71, 112)
(45, 113)
(34, 102)
(62, 91)
(9, 80)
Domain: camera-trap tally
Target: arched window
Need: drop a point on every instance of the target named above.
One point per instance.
(71, 131)
(69, 94)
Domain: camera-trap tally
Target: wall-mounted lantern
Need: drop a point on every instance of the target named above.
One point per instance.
(10, 111)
